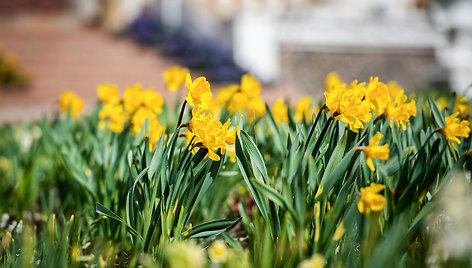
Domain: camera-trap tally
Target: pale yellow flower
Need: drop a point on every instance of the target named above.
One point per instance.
(185, 254)
(174, 77)
(114, 115)
(370, 199)
(69, 101)
(315, 261)
(373, 150)
(218, 252)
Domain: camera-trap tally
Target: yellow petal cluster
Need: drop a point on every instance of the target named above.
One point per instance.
(205, 131)
(304, 110)
(280, 111)
(199, 92)
(373, 150)
(69, 101)
(243, 98)
(370, 199)
(347, 104)
(137, 105)
(174, 77)
(108, 93)
(455, 128)
(390, 101)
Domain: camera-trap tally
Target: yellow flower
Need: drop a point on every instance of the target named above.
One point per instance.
(231, 153)
(225, 94)
(370, 199)
(399, 111)
(256, 108)
(378, 95)
(208, 132)
(348, 104)
(237, 103)
(69, 101)
(153, 100)
(460, 105)
(442, 103)
(114, 115)
(332, 79)
(280, 111)
(455, 128)
(218, 252)
(250, 86)
(108, 93)
(199, 92)
(303, 110)
(316, 261)
(373, 150)
(133, 97)
(174, 77)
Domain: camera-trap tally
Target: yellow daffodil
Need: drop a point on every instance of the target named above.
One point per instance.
(332, 79)
(250, 86)
(256, 108)
(455, 128)
(133, 98)
(199, 92)
(303, 110)
(185, 254)
(237, 103)
(108, 93)
(69, 101)
(315, 261)
(174, 77)
(348, 105)
(460, 105)
(208, 132)
(114, 115)
(280, 111)
(370, 199)
(153, 100)
(373, 150)
(442, 103)
(218, 252)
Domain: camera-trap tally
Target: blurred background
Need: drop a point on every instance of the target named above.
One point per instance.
(47, 46)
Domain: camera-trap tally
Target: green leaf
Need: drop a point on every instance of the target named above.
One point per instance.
(208, 229)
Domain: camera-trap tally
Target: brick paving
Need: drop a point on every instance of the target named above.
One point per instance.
(60, 53)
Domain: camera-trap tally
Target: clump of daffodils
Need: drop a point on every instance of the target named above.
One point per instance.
(354, 104)
(135, 107)
(242, 98)
(182, 254)
(204, 130)
(373, 150)
(370, 199)
(70, 102)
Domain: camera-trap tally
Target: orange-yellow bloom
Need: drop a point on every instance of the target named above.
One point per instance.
(208, 132)
(199, 92)
(280, 111)
(370, 199)
(373, 150)
(69, 101)
(174, 77)
(455, 128)
(348, 104)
